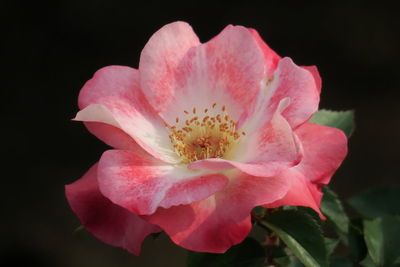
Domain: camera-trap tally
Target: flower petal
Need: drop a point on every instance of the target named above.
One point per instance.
(108, 222)
(159, 62)
(228, 70)
(141, 183)
(265, 151)
(112, 136)
(113, 97)
(314, 71)
(301, 192)
(271, 58)
(299, 85)
(222, 220)
(324, 150)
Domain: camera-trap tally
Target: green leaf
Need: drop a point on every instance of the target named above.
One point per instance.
(288, 261)
(333, 210)
(354, 240)
(377, 202)
(349, 231)
(339, 262)
(301, 233)
(249, 253)
(367, 262)
(382, 236)
(331, 245)
(343, 120)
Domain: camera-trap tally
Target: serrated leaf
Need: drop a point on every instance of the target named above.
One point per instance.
(301, 233)
(333, 210)
(377, 202)
(343, 120)
(249, 253)
(382, 236)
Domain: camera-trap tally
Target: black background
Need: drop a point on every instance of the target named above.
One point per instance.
(51, 48)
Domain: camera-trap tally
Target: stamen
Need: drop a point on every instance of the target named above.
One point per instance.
(204, 137)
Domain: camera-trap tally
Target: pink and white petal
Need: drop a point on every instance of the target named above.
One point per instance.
(222, 220)
(264, 151)
(228, 70)
(271, 58)
(113, 97)
(299, 85)
(110, 223)
(324, 150)
(314, 71)
(140, 183)
(113, 136)
(301, 192)
(160, 59)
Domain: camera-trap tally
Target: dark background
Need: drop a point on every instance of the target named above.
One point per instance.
(52, 48)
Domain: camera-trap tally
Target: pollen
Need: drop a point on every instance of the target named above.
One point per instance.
(206, 135)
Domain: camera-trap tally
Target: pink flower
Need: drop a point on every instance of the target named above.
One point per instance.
(202, 133)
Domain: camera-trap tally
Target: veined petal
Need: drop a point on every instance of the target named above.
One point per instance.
(228, 70)
(222, 220)
(113, 97)
(110, 223)
(141, 183)
(265, 151)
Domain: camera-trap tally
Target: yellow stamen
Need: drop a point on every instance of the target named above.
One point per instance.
(204, 137)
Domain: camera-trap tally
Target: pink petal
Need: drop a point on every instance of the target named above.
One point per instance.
(160, 59)
(141, 183)
(299, 85)
(301, 192)
(108, 222)
(222, 220)
(177, 73)
(113, 97)
(324, 150)
(265, 151)
(314, 71)
(270, 56)
(112, 136)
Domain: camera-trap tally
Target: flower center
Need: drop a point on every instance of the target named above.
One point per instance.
(209, 133)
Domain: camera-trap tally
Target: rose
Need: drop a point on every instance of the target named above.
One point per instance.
(202, 133)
